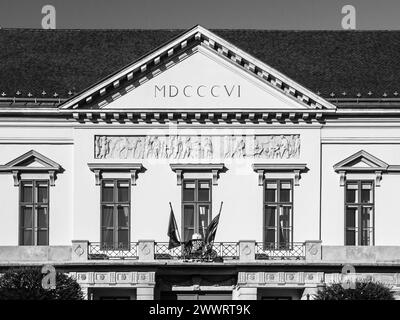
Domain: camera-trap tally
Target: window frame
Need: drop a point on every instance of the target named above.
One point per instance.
(278, 204)
(359, 206)
(35, 205)
(195, 203)
(115, 204)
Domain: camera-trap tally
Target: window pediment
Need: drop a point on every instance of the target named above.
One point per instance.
(363, 162)
(132, 168)
(295, 168)
(32, 162)
(181, 168)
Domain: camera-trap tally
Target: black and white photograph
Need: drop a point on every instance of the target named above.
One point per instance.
(221, 152)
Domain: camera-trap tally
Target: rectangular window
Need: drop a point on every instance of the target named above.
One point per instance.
(115, 214)
(359, 210)
(34, 213)
(196, 207)
(278, 213)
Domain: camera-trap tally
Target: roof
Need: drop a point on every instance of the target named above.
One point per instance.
(358, 64)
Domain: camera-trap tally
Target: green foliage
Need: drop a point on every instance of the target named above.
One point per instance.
(26, 284)
(364, 290)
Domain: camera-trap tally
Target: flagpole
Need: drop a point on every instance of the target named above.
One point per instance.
(219, 213)
(177, 229)
(220, 208)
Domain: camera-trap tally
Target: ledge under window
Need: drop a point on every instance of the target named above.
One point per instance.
(181, 168)
(132, 168)
(295, 168)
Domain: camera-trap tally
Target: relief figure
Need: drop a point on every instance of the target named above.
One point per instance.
(187, 148)
(240, 150)
(208, 148)
(258, 148)
(156, 147)
(103, 147)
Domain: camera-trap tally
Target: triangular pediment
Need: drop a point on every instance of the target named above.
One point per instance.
(204, 81)
(196, 71)
(31, 161)
(361, 161)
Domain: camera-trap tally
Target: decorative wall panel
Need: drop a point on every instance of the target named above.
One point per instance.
(197, 147)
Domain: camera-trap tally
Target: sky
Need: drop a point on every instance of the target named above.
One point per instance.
(182, 14)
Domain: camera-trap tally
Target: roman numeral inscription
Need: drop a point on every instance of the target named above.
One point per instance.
(202, 91)
(197, 147)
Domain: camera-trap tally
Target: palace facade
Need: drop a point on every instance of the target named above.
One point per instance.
(297, 133)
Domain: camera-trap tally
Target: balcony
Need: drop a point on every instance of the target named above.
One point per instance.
(289, 251)
(97, 251)
(241, 252)
(218, 252)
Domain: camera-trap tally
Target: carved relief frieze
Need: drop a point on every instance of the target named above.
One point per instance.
(197, 147)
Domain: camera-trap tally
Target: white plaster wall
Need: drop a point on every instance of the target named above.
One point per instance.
(21, 139)
(380, 142)
(238, 188)
(75, 200)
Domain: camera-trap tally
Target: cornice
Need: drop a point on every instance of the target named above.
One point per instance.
(196, 166)
(115, 166)
(181, 168)
(279, 167)
(295, 168)
(200, 116)
(132, 168)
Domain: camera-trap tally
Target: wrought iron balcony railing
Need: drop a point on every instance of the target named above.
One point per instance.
(281, 251)
(99, 251)
(219, 251)
(162, 252)
(227, 250)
